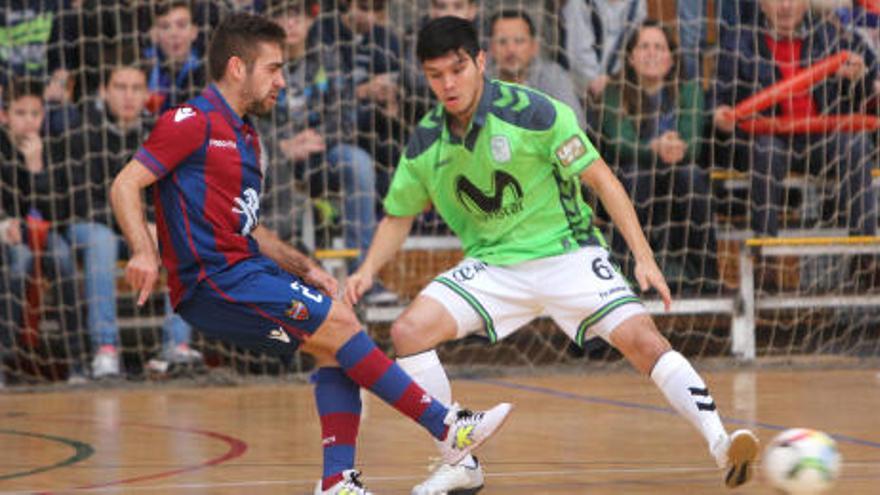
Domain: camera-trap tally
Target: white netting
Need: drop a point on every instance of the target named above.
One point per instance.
(697, 213)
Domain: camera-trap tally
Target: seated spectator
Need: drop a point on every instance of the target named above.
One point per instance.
(651, 125)
(785, 40)
(514, 56)
(10, 233)
(178, 71)
(44, 40)
(36, 177)
(693, 21)
(314, 126)
(595, 31)
(117, 125)
(370, 53)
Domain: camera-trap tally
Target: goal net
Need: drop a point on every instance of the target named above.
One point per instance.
(354, 94)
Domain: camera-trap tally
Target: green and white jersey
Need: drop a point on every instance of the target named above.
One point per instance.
(510, 189)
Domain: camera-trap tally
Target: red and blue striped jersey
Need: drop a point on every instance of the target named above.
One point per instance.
(207, 197)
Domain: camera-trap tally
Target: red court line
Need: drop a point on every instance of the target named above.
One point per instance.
(237, 448)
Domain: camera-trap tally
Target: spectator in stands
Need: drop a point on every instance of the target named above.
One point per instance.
(178, 71)
(786, 39)
(595, 31)
(42, 40)
(651, 128)
(116, 125)
(10, 233)
(314, 126)
(514, 56)
(371, 53)
(693, 22)
(36, 176)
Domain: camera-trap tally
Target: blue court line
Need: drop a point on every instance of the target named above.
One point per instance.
(657, 409)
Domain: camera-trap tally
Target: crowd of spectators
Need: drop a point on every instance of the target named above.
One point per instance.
(82, 81)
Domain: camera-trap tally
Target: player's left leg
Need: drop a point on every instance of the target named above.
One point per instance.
(590, 297)
(649, 352)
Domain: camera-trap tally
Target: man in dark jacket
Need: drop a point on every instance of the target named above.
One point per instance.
(36, 174)
(785, 40)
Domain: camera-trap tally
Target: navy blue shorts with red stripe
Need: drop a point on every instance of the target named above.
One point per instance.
(256, 305)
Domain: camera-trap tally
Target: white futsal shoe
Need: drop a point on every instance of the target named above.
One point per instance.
(457, 479)
(350, 484)
(468, 430)
(736, 454)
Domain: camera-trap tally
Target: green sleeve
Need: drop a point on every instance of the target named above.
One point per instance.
(569, 147)
(691, 118)
(407, 195)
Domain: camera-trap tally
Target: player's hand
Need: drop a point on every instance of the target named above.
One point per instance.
(724, 118)
(853, 69)
(648, 275)
(141, 273)
(356, 285)
(326, 283)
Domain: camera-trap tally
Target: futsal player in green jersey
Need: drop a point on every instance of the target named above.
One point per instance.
(503, 164)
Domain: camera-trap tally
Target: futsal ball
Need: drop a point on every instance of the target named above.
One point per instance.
(801, 461)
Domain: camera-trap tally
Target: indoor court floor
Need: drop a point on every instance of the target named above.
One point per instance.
(593, 433)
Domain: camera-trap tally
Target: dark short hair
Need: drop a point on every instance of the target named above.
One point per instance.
(278, 8)
(21, 87)
(239, 36)
(512, 14)
(162, 8)
(469, 1)
(447, 34)
(374, 5)
(124, 55)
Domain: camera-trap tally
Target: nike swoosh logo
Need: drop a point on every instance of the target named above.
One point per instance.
(279, 335)
(183, 113)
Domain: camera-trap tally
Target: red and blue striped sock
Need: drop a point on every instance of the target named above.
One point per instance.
(339, 406)
(364, 363)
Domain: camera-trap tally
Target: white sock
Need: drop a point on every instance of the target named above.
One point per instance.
(687, 393)
(427, 371)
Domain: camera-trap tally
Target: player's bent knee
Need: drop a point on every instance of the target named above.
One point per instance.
(402, 331)
(340, 326)
(640, 342)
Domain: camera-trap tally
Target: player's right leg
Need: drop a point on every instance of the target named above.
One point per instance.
(470, 298)
(460, 430)
(416, 333)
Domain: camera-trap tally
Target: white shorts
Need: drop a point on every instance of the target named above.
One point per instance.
(580, 290)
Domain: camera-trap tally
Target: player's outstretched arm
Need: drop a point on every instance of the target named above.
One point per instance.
(142, 270)
(602, 180)
(292, 261)
(387, 240)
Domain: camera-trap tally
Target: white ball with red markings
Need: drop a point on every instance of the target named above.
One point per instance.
(801, 461)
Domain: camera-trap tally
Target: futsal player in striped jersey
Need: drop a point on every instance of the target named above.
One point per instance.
(237, 281)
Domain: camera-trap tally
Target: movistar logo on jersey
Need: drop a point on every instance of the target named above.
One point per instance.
(492, 204)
